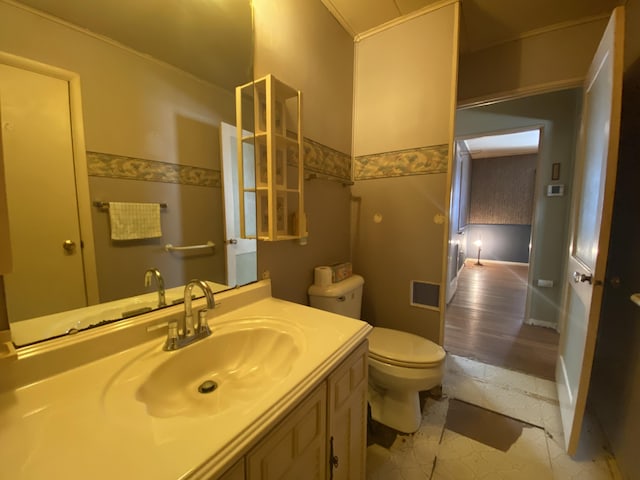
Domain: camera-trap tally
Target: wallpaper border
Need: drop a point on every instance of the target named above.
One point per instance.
(414, 161)
(119, 166)
(319, 158)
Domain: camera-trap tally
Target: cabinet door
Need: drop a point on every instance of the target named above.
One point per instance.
(295, 449)
(348, 417)
(234, 473)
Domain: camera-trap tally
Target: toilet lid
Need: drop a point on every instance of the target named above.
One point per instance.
(403, 349)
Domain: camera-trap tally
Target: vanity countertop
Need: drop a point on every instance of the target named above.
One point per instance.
(87, 423)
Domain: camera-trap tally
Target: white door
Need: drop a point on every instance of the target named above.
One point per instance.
(48, 273)
(241, 253)
(594, 184)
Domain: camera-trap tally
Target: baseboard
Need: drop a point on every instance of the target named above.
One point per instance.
(482, 260)
(541, 323)
(452, 287)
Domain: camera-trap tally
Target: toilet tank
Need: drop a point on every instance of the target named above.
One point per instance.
(343, 298)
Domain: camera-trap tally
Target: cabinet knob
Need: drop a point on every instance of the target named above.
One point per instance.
(69, 246)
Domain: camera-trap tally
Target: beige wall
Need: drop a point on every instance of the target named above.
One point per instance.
(396, 241)
(615, 382)
(301, 43)
(541, 62)
(404, 97)
(403, 81)
(132, 105)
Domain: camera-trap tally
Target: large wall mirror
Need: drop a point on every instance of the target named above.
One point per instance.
(109, 102)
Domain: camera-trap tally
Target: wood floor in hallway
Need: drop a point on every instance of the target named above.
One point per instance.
(485, 321)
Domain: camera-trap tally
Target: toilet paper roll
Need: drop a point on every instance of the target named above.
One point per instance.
(322, 276)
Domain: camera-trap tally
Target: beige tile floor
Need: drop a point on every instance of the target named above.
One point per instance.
(436, 453)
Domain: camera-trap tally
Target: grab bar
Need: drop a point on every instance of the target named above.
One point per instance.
(171, 248)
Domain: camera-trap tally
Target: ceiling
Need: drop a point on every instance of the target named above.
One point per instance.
(508, 144)
(483, 23)
(212, 39)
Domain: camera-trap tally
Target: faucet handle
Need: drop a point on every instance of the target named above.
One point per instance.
(172, 337)
(203, 325)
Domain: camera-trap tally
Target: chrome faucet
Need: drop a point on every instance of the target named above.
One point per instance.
(185, 331)
(154, 272)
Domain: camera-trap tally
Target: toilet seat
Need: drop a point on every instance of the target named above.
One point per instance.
(404, 349)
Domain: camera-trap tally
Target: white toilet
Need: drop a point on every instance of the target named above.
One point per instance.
(400, 364)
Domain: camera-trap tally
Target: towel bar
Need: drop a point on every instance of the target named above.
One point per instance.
(171, 248)
(105, 205)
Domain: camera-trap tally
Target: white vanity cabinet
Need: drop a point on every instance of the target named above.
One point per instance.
(347, 419)
(234, 473)
(296, 448)
(323, 437)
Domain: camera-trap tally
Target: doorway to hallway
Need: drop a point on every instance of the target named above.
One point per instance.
(485, 321)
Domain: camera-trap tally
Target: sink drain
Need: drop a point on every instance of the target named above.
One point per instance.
(207, 387)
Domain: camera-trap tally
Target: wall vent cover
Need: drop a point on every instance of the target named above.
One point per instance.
(425, 295)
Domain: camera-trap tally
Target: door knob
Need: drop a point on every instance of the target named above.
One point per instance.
(581, 277)
(69, 247)
(232, 241)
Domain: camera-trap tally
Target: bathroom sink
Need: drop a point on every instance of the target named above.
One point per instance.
(236, 364)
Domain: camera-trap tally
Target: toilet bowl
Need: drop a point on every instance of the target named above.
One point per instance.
(400, 364)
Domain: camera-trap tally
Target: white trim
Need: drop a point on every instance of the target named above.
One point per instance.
(404, 18)
(542, 323)
(565, 381)
(521, 92)
(451, 290)
(339, 17)
(447, 234)
(475, 259)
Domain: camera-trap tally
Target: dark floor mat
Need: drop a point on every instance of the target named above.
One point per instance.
(380, 434)
(484, 426)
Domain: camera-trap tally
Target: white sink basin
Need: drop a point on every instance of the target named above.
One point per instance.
(239, 362)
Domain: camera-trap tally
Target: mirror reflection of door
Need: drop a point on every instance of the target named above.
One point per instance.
(241, 253)
(41, 195)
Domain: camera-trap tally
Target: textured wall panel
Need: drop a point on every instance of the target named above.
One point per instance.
(502, 190)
